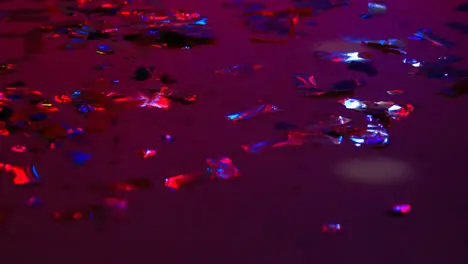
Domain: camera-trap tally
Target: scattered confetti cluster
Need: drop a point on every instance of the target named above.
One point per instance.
(27, 112)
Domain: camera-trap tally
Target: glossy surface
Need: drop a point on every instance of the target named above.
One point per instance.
(275, 211)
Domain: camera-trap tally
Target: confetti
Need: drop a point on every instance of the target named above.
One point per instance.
(401, 209)
(167, 138)
(155, 101)
(26, 176)
(177, 96)
(80, 158)
(219, 168)
(374, 9)
(75, 215)
(31, 121)
(427, 34)
(19, 149)
(375, 135)
(271, 144)
(253, 112)
(117, 204)
(6, 68)
(331, 228)
(104, 49)
(316, 137)
(177, 182)
(222, 168)
(395, 92)
(346, 57)
(304, 81)
(146, 153)
(389, 108)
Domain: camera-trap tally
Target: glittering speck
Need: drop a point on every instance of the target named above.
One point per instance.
(331, 228)
(401, 209)
(167, 138)
(395, 92)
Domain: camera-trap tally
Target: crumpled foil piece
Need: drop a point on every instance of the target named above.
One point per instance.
(22, 176)
(428, 35)
(388, 108)
(253, 112)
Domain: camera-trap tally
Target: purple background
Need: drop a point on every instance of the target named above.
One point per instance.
(274, 213)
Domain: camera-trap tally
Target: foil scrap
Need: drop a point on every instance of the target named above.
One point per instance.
(331, 228)
(22, 176)
(222, 168)
(375, 9)
(388, 108)
(375, 135)
(177, 182)
(400, 210)
(252, 112)
(429, 35)
(261, 146)
(346, 57)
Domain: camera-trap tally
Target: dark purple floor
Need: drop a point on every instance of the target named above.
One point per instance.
(274, 213)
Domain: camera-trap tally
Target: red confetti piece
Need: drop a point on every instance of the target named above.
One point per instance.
(222, 168)
(176, 182)
(146, 153)
(62, 98)
(3, 130)
(395, 92)
(74, 215)
(401, 209)
(21, 176)
(18, 149)
(116, 203)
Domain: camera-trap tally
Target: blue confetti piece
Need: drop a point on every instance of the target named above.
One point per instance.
(104, 49)
(85, 109)
(365, 16)
(80, 158)
(202, 22)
